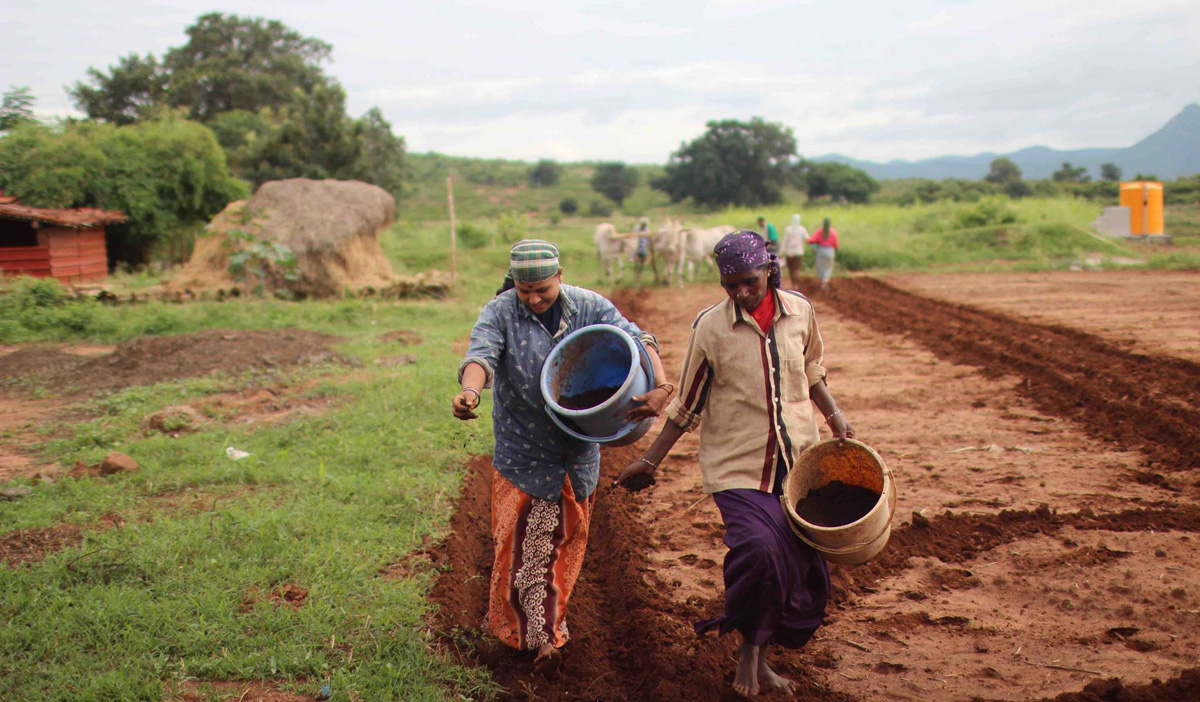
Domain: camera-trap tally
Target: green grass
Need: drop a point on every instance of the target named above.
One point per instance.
(323, 503)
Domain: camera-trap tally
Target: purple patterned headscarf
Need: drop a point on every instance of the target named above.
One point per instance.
(745, 249)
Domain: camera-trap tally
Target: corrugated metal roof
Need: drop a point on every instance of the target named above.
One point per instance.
(77, 217)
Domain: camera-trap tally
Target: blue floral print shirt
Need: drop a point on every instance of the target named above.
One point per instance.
(512, 345)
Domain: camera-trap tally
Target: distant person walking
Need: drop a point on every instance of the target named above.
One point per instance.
(794, 239)
(770, 233)
(826, 239)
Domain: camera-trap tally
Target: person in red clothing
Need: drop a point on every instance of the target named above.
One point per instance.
(826, 240)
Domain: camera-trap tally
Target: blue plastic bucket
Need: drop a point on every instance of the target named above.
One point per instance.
(586, 361)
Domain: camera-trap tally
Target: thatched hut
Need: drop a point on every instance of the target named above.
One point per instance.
(331, 227)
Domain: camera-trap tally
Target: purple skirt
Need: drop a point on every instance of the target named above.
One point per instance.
(776, 586)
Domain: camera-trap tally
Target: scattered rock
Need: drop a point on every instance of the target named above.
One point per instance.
(392, 361)
(173, 420)
(117, 462)
(15, 492)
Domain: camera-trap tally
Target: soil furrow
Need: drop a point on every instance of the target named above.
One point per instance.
(1136, 401)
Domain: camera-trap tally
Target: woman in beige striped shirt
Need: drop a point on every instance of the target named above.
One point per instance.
(752, 373)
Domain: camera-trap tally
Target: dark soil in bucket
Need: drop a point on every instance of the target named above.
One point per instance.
(588, 398)
(836, 504)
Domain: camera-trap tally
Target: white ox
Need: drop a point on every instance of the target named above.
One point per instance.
(610, 249)
(697, 246)
(667, 245)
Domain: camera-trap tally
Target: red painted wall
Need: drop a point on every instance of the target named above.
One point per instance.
(71, 255)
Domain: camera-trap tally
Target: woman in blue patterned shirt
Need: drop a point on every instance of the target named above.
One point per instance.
(544, 483)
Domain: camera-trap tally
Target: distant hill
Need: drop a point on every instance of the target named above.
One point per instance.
(1170, 152)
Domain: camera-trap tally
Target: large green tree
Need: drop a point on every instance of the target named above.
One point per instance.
(614, 181)
(261, 86)
(129, 92)
(732, 163)
(545, 173)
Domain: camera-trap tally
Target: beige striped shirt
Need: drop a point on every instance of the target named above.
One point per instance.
(751, 390)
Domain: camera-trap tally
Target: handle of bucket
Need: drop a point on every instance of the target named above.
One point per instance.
(851, 547)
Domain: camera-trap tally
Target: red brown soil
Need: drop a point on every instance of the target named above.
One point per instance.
(588, 398)
(1021, 453)
(836, 504)
(25, 546)
(149, 360)
(1147, 403)
(1157, 314)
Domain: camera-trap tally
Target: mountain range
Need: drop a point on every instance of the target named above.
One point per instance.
(1170, 152)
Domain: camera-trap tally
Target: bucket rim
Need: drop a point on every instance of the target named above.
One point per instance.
(634, 361)
(888, 483)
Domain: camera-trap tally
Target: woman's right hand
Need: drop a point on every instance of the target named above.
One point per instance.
(638, 475)
(464, 404)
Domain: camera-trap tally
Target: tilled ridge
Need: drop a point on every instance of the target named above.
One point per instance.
(1147, 403)
(959, 538)
(629, 641)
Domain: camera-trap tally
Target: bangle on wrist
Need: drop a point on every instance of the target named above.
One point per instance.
(648, 462)
(832, 415)
(669, 387)
(478, 397)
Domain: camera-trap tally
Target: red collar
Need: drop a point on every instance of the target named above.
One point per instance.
(764, 314)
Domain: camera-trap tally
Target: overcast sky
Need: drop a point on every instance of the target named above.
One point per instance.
(630, 81)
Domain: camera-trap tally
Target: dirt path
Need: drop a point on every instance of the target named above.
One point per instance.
(1049, 559)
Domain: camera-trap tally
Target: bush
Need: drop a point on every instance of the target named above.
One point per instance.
(42, 307)
(164, 174)
(986, 212)
(568, 205)
(512, 226)
(599, 208)
(473, 236)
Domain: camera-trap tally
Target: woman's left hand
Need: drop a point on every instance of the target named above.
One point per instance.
(652, 405)
(841, 427)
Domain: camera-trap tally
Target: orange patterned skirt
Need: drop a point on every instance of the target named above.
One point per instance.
(539, 552)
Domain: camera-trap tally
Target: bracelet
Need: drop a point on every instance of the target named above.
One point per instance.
(833, 415)
(643, 459)
(478, 397)
(669, 386)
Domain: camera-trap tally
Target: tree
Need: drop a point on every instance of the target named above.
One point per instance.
(733, 163)
(838, 181)
(545, 173)
(261, 87)
(16, 107)
(615, 181)
(1071, 174)
(164, 174)
(1110, 172)
(128, 93)
(568, 205)
(237, 63)
(1003, 172)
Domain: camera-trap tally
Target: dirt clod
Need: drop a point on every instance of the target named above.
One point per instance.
(116, 462)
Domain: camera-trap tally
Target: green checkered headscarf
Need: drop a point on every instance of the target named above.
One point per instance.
(532, 260)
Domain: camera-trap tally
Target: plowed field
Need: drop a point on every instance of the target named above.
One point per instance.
(1045, 540)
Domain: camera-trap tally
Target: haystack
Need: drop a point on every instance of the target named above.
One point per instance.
(331, 226)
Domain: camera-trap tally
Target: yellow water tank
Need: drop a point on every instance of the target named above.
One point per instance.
(1145, 202)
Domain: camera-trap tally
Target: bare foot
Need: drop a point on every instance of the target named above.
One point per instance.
(745, 680)
(548, 662)
(769, 679)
